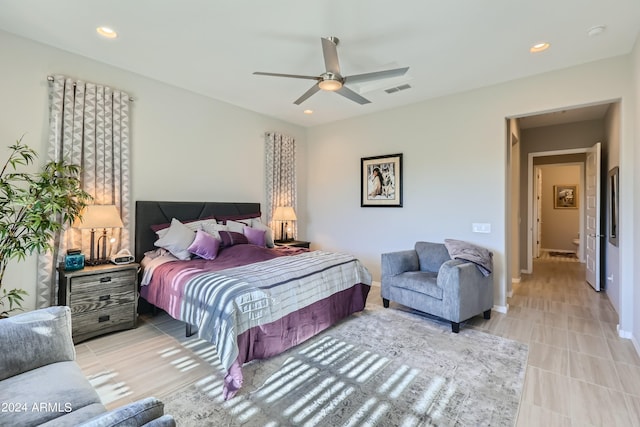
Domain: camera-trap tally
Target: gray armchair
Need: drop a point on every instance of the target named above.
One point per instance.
(428, 280)
(41, 384)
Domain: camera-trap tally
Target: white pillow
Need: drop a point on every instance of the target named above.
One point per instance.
(268, 235)
(177, 239)
(237, 227)
(191, 225)
(213, 228)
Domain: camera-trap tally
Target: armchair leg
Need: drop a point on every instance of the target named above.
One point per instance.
(455, 327)
(385, 303)
(487, 314)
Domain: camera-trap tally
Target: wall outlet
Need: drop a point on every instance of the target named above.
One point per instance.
(481, 227)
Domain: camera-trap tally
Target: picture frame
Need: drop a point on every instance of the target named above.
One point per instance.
(614, 204)
(381, 181)
(565, 197)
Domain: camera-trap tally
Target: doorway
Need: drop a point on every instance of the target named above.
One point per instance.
(557, 133)
(555, 228)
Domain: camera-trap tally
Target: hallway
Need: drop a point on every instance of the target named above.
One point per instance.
(579, 372)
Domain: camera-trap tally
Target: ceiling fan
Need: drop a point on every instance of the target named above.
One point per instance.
(332, 80)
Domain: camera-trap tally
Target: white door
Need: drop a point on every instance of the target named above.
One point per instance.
(593, 236)
(538, 212)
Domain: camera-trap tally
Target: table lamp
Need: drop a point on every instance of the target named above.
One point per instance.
(99, 216)
(284, 214)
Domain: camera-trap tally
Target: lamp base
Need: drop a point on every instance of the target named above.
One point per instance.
(96, 262)
(284, 240)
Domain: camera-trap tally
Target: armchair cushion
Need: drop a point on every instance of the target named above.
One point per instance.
(42, 386)
(34, 339)
(431, 255)
(424, 282)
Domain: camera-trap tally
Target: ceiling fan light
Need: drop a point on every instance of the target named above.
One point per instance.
(107, 32)
(330, 85)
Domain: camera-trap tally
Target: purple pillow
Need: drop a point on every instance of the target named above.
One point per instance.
(255, 236)
(204, 245)
(230, 238)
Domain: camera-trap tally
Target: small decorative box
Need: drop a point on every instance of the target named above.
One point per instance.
(74, 262)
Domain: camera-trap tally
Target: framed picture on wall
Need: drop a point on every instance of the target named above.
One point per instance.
(381, 181)
(565, 196)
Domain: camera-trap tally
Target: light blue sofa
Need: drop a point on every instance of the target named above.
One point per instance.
(41, 384)
(428, 280)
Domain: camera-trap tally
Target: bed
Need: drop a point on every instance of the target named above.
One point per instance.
(252, 302)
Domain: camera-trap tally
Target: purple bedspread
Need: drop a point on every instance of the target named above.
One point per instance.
(167, 286)
(165, 292)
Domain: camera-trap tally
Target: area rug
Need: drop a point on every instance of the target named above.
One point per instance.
(382, 367)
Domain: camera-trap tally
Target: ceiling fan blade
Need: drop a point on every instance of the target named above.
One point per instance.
(330, 54)
(293, 76)
(376, 75)
(348, 93)
(307, 94)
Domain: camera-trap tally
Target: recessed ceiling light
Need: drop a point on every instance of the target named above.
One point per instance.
(539, 47)
(308, 111)
(596, 31)
(107, 32)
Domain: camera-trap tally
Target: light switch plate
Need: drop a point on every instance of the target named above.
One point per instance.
(481, 227)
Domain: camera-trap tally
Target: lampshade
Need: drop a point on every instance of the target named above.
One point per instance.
(99, 216)
(284, 213)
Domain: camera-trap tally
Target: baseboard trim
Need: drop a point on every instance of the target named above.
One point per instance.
(516, 279)
(376, 284)
(627, 335)
(501, 308)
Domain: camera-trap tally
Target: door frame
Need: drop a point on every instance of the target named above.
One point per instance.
(531, 202)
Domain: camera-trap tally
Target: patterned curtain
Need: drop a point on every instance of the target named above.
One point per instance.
(88, 126)
(281, 177)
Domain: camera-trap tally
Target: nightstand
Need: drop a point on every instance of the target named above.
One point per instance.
(293, 243)
(102, 298)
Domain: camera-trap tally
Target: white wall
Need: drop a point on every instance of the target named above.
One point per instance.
(454, 163)
(513, 193)
(630, 286)
(184, 146)
(612, 273)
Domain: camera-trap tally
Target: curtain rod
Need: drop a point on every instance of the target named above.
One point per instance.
(50, 78)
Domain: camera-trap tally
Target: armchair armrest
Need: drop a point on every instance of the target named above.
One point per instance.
(466, 291)
(34, 339)
(394, 263)
(148, 412)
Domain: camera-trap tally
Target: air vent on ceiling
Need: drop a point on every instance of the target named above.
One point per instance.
(398, 88)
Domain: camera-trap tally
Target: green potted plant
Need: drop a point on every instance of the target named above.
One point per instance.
(33, 206)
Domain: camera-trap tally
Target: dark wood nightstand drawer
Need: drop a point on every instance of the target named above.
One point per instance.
(97, 322)
(103, 280)
(91, 300)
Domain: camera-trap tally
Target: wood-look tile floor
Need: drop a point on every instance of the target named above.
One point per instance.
(579, 372)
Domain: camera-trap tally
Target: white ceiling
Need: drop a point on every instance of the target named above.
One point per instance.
(213, 47)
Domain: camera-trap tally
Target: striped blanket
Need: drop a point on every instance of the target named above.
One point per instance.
(229, 302)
